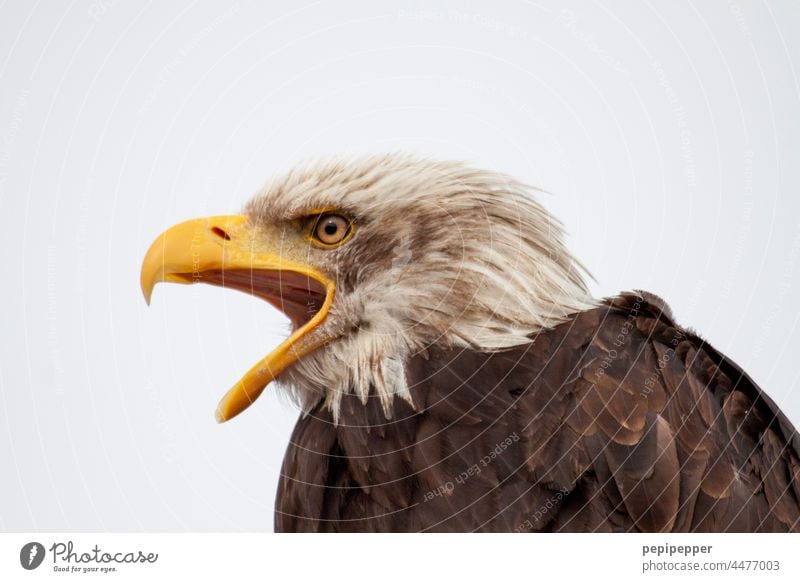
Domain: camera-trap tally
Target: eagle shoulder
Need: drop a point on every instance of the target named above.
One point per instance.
(680, 438)
(617, 419)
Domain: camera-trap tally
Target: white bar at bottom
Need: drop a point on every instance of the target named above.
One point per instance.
(387, 557)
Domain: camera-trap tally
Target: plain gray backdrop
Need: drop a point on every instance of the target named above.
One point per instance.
(667, 135)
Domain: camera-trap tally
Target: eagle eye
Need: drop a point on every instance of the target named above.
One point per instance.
(331, 229)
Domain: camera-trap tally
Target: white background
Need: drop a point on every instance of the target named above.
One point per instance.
(666, 133)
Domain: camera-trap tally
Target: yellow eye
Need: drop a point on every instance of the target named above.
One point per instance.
(331, 229)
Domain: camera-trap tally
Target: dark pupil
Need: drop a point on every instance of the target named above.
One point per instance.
(331, 228)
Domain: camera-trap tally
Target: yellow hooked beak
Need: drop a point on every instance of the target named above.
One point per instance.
(228, 251)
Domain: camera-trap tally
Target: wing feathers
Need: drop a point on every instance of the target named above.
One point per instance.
(616, 420)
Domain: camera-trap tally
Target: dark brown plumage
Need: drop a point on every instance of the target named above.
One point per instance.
(616, 420)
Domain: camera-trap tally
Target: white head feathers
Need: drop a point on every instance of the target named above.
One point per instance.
(442, 254)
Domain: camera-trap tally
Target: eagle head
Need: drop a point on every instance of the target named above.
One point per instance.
(375, 260)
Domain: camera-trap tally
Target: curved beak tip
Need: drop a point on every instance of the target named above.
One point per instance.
(219, 416)
(148, 293)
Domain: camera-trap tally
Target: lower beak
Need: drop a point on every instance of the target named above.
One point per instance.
(228, 251)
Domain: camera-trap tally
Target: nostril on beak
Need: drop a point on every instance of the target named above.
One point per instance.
(220, 233)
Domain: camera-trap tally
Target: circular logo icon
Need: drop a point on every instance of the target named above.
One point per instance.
(31, 555)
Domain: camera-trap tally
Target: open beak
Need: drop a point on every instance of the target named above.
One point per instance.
(228, 251)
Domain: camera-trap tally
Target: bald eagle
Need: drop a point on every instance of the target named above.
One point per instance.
(454, 373)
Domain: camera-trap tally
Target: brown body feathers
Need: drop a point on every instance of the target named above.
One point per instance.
(615, 420)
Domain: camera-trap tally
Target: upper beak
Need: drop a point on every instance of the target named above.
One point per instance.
(229, 251)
